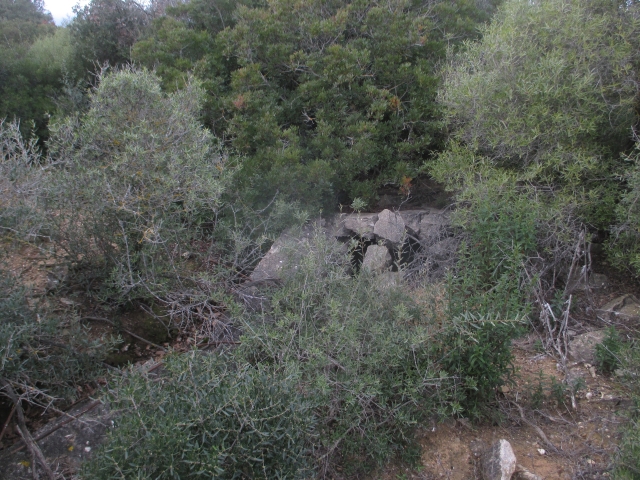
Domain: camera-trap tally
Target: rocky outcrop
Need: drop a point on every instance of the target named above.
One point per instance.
(386, 233)
(582, 348)
(626, 307)
(390, 227)
(420, 225)
(286, 252)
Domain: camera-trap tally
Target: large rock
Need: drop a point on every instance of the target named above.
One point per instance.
(390, 226)
(361, 224)
(582, 348)
(499, 462)
(287, 251)
(377, 259)
(421, 225)
(625, 307)
(425, 224)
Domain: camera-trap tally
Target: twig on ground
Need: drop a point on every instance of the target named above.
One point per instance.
(106, 320)
(6, 423)
(17, 448)
(30, 443)
(538, 430)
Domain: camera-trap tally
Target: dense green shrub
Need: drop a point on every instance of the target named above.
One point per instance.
(624, 244)
(373, 361)
(477, 350)
(501, 231)
(105, 30)
(539, 111)
(33, 55)
(138, 182)
(547, 94)
(627, 465)
(207, 416)
(325, 99)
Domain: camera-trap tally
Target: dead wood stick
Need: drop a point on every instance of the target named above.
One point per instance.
(17, 448)
(31, 445)
(6, 423)
(106, 320)
(538, 430)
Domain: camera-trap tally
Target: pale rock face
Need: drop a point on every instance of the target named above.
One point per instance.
(390, 226)
(377, 259)
(499, 462)
(626, 307)
(361, 224)
(582, 348)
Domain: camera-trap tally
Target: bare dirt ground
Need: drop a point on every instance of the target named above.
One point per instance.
(580, 444)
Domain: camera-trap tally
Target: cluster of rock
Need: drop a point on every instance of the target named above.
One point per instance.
(383, 236)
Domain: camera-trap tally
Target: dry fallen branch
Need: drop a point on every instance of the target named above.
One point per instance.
(91, 406)
(538, 430)
(34, 450)
(106, 320)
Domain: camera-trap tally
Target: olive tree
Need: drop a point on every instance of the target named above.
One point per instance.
(548, 97)
(539, 112)
(139, 180)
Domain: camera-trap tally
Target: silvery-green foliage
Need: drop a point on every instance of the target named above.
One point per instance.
(42, 355)
(22, 174)
(139, 178)
(547, 94)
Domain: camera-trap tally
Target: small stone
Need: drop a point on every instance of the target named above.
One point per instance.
(87, 449)
(542, 451)
(522, 473)
(499, 462)
(589, 395)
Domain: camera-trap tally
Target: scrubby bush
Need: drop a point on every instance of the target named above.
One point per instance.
(477, 351)
(539, 111)
(139, 181)
(207, 416)
(21, 180)
(43, 357)
(608, 352)
(373, 361)
(501, 227)
(364, 359)
(547, 94)
(627, 463)
(624, 244)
